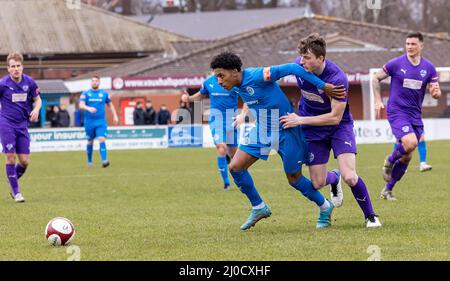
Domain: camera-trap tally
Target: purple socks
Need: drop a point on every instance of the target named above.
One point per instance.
(398, 152)
(12, 178)
(362, 197)
(332, 178)
(398, 170)
(20, 171)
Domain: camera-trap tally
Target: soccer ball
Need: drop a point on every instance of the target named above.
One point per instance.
(59, 231)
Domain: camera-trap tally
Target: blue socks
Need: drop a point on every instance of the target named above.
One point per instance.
(103, 151)
(89, 149)
(306, 187)
(422, 152)
(223, 169)
(244, 182)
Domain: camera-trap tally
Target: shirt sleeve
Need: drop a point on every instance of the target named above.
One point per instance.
(434, 76)
(107, 98)
(274, 73)
(83, 97)
(342, 81)
(34, 90)
(389, 67)
(204, 90)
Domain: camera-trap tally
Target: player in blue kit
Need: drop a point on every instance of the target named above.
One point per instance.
(266, 101)
(223, 108)
(93, 101)
(18, 92)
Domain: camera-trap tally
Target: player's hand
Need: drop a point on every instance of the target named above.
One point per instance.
(34, 115)
(185, 98)
(238, 120)
(116, 120)
(335, 92)
(435, 91)
(291, 120)
(378, 107)
(92, 109)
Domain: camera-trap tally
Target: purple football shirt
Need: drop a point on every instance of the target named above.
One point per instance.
(408, 87)
(315, 102)
(16, 100)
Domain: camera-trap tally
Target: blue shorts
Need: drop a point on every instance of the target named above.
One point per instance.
(290, 145)
(96, 130)
(223, 134)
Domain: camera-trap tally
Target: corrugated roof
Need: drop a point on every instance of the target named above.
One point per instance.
(367, 46)
(277, 44)
(52, 86)
(52, 27)
(220, 24)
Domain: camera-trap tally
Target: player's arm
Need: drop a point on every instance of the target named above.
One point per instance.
(435, 90)
(376, 85)
(332, 118)
(274, 73)
(114, 113)
(34, 115)
(195, 97)
(433, 85)
(82, 105)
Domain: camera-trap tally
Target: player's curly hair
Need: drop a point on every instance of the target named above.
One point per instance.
(226, 60)
(313, 43)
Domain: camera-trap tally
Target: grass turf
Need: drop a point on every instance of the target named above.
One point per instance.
(169, 205)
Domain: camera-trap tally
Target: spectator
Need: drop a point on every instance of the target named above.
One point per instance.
(163, 115)
(150, 113)
(54, 117)
(139, 114)
(183, 114)
(63, 117)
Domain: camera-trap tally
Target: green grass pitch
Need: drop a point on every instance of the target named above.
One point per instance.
(169, 205)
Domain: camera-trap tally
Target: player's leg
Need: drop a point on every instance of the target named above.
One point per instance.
(422, 149)
(319, 155)
(347, 166)
(8, 140)
(239, 165)
(90, 134)
(100, 132)
(409, 141)
(12, 177)
(222, 164)
(22, 151)
(293, 152)
(404, 131)
(398, 170)
(223, 143)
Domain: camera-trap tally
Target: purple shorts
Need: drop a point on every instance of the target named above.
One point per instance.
(14, 140)
(341, 140)
(403, 125)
